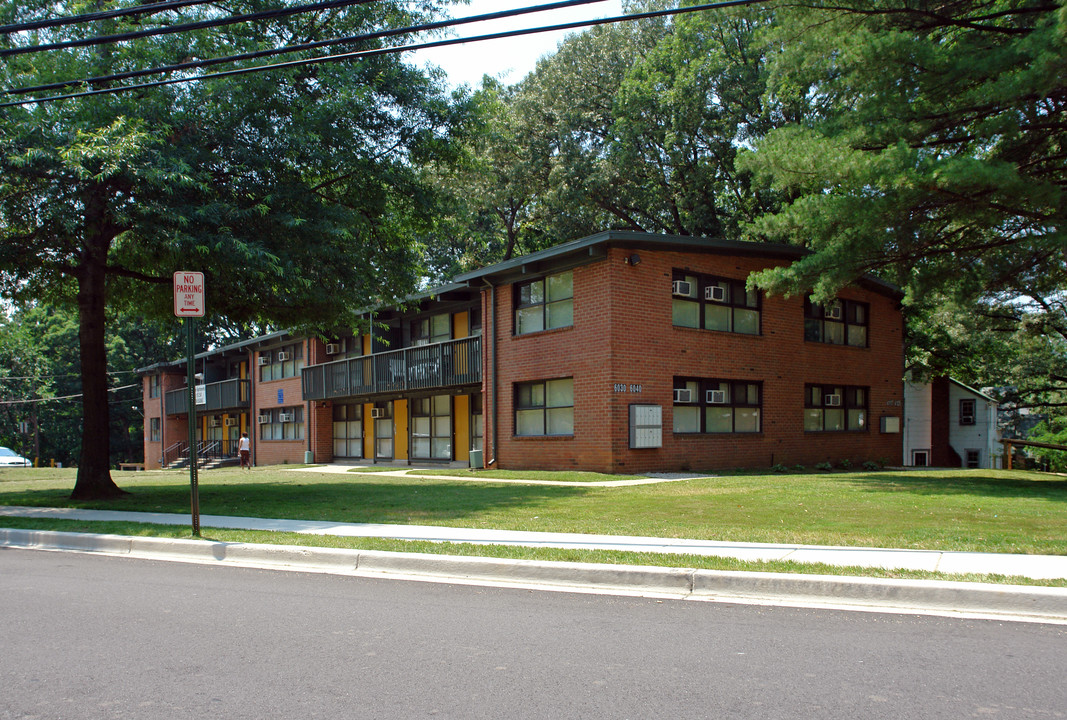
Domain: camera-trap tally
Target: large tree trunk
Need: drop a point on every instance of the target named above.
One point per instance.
(94, 469)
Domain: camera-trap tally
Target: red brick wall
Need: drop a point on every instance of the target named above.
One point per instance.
(265, 397)
(172, 428)
(623, 333)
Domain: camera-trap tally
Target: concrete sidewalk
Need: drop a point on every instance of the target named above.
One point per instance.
(1031, 566)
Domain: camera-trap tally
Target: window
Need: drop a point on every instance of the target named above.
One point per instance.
(712, 303)
(153, 433)
(842, 322)
(282, 362)
(967, 411)
(835, 408)
(153, 386)
(544, 304)
(920, 458)
(717, 406)
(545, 407)
(348, 430)
(431, 428)
(383, 430)
(434, 329)
(286, 423)
(342, 347)
(973, 459)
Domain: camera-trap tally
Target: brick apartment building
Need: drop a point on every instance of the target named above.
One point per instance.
(620, 352)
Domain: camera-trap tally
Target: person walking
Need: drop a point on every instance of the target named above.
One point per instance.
(244, 448)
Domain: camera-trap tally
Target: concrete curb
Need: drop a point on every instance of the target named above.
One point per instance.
(1014, 602)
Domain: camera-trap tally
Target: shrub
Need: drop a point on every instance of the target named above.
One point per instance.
(824, 466)
(779, 468)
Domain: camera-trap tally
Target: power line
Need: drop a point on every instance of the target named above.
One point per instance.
(193, 64)
(359, 54)
(149, 9)
(175, 29)
(34, 401)
(62, 375)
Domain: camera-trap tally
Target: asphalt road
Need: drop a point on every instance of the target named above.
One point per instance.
(96, 637)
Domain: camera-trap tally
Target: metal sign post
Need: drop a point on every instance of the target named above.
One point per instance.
(189, 304)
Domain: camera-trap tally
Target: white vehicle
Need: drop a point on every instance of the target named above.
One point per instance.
(8, 458)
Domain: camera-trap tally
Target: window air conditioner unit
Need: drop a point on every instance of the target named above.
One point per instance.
(832, 400)
(213, 422)
(683, 395)
(230, 422)
(263, 419)
(264, 359)
(377, 412)
(833, 312)
(683, 288)
(333, 348)
(283, 356)
(715, 293)
(716, 397)
(966, 419)
(286, 417)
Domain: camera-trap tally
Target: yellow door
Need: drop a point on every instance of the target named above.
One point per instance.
(461, 416)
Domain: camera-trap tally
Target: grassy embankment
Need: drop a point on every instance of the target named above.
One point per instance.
(987, 511)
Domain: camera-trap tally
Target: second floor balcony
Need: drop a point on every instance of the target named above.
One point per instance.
(438, 365)
(226, 395)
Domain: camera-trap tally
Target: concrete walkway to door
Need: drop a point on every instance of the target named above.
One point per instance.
(427, 473)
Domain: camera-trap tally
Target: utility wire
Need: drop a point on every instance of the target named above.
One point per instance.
(359, 54)
(49, 377)
(192, 64)
(34, 401)
(103, 15)
(175, 29)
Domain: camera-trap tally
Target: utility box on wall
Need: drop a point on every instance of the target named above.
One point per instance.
(646, 426)
(890, 424)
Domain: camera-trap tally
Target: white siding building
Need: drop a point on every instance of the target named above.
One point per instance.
(947, 424)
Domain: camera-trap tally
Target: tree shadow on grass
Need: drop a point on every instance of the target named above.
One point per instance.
(965, 483)
(392, 502)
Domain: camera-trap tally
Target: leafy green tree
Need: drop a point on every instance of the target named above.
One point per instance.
(25, 378)
(931, 149)
(632, 126)
(1054, 432)
(296, 191)
(489, 196)
(681, 114)
(570, 102)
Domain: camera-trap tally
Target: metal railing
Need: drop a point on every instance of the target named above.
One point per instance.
(227, 394)
(439, 365)
(174, 452)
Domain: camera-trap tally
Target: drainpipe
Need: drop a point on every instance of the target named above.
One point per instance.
(310, 455)
(162, 421)
(492, 344)
(253, 426)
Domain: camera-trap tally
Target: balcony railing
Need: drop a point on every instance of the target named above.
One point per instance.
(440, 365)
(225, 395)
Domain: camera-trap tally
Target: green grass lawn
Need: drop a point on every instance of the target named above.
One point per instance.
(990, 511)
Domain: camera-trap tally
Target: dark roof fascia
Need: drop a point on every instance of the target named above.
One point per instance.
(245, 345)
(157, 367)
(594, 247)
(404, 304)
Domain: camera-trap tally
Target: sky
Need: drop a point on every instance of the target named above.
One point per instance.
(510, 59)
